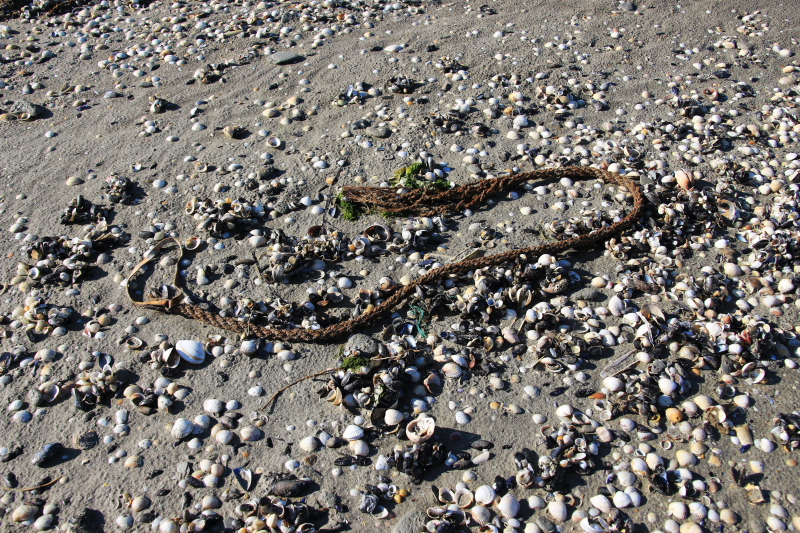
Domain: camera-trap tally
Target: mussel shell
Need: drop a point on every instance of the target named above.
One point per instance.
(291, 489)
(47, 452)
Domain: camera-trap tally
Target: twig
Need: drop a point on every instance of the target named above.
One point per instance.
(275, 396)
(34, 488)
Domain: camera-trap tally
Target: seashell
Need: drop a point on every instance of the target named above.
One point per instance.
(481, 457)
(191, 351)
(291, 489)
(212, 405)
(626, 479)
(249, 346)
(360, 448)
(614, 384)
(635, 496)
(616, 306)
(558, 510)
(140, 503)
(678, 510)
(667, 386)
(480, 514)
(353, 432)
(274, 142)
(392, 417)
(181, 428)
(508, 506)
(703, 402)
(639, 466)
(590, 526)
(626, 424)
(45, 453)
(452, 370)
(245, 478)
(224, 436)
(601, 502)
(250, 433)
(463, 497)
(565, 410)
(684, 179)
(193, 243)
(744, 435)
(462, 418)
(484, 495)
(309, 444)
(420, 430)
(535, 502)
(698, 510)
(24, 513)
(621, 500)
(685, 458)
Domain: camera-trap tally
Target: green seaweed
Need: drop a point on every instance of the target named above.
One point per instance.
(350, 210)
(354, 363)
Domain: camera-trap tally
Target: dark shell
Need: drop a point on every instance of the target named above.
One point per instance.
(46, 453)
(482, 445)
(291, 489)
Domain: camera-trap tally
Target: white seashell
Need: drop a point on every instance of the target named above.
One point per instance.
(616, 306)
(589, 526)
(621, 500)
(481, 457)
(508, 506)
(452, 370)
(639, 466)
(634, 495)
(212, 405)
(382, 463)
(249, 347)
(690, 409)
(667, 386)
(614, 384)
(600, 502)
(181, 428)
(558, 510)
(565, 410)
(698, 510)
(191, 351)
(775, 524)
(685, 458)
(678, 510)
(353, 432)
(462, 418)
(224, 436)
(481, 515)
(360, 448)
(285, 355)
(250, 433)
(392, 417)
(535, 502)
(703, 402)
(626, 424)
(484, 495)
(626, 479)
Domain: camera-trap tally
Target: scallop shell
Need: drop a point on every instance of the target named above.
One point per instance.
(558, 510)
(508, 506)
(181, 428)
(481, 515)
(191, 351)
(484, 495)
(353, 432)
(420, 430)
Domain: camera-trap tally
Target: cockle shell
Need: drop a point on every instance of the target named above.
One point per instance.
(392, 417)
(508, 506)
(481, 515)
(353, 432)
(181, 428)
(484, 495)
(558, 510)
(451, 370)
(192, 351)
(309, 444)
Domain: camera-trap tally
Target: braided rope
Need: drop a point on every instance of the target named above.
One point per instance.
(454, 200)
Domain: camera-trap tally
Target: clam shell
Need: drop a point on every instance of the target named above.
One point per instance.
(621, 500)
(250, 433)
(626, 479)
(309, 444)
(360, 448)
(601, 502)
(484, 495)
(353, 432)
(181, 428)
(191, 351)
(24, 512)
